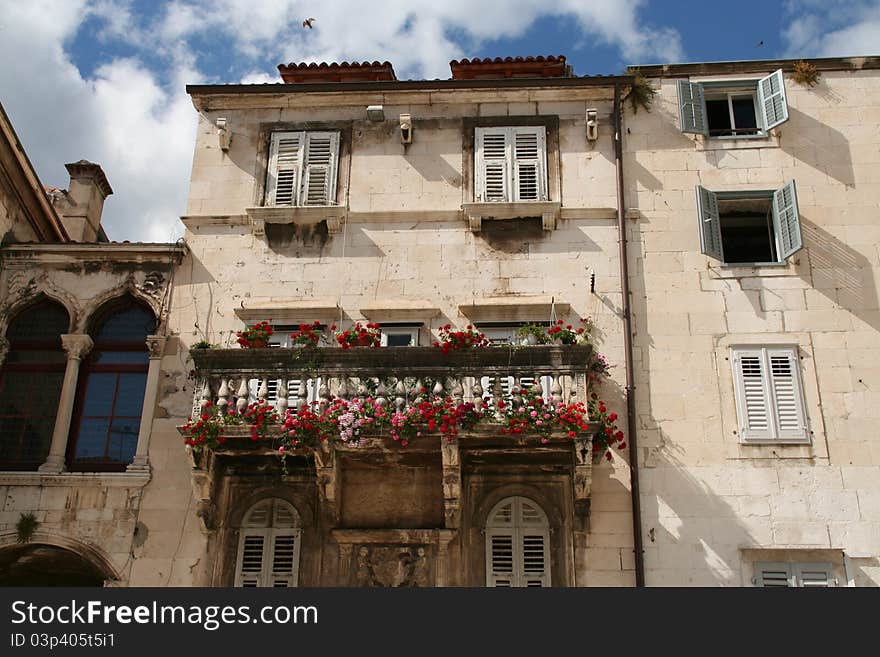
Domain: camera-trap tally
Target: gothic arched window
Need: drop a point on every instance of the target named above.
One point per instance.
(30, 384)
(112, 382)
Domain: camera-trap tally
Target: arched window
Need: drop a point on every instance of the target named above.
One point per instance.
(517, 544)
(111, 388)
(30, 384)
(268, 546)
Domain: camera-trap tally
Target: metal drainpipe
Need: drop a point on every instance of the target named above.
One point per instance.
(628, 345)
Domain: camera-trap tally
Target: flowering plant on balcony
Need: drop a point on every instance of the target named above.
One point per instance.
(208, 429)
(609, 436)
(255, 336)
(441, 414)
(359, 335)
(567, 334)
(451, 340)
(311, 425)
(532, 334)
(308, 335)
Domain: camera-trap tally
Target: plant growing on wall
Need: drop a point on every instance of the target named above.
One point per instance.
(25, 527)
(640, 93)
(806, 74)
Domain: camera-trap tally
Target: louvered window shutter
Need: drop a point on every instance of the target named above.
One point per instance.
(786, 220)
(774, 574)
(692, 108)
(517, 545)
(319, 181)
(772, 101)
(268, 553)
(285, 168)
(529, 164)
(814, 575)
(790, 421)
(752, 395)
(492, 164)
(710, 223)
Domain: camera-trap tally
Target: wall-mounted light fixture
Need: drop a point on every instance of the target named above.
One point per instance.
(375, 113)
(592, 124)
(406, 129)
(223, 133)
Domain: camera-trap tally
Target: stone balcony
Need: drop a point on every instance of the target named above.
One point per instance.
(400, 377)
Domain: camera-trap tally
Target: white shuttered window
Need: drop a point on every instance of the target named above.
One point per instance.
(302, 168)
(517, 545)
(510, 164)
(783, 574)
(268, 546)
(769, 394)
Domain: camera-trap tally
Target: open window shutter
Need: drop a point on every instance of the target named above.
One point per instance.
(492, 164)
(285, 168)
(786, 220)
(319, 182)
(774, 574)
(534, 558)
(500, 558)
(814, 574)
(710, 223)
(529, 177)
(771, 98)
(251, 557)
(692, 108)
(788, 401)
(752, 395)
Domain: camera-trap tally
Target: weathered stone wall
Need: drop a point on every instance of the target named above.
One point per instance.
(705, 496)
(405, 243)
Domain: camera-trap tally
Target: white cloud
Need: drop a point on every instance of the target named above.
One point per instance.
(132, 115)
(839, 29)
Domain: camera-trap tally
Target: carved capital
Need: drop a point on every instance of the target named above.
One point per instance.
(77, 345)
(156, 345)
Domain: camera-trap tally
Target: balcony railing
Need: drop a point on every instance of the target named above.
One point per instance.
(398, 376)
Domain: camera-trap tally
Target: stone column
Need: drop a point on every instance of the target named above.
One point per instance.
(77, 347)
(141, 461)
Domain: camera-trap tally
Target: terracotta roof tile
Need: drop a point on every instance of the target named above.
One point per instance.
(293, 73)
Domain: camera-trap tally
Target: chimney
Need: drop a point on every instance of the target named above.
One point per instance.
(80, 208)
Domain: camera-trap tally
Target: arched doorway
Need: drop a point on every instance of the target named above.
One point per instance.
(39, 564)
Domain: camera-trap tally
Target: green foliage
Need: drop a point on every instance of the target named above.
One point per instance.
(25, 527)
(806, 74)
(640, 94)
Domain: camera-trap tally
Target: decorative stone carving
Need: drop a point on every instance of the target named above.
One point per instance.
(207, 511)
(156, 345)
(451, 482)
(583, 478)
(153, 285)
(394, 565)
(326, 479)
(77, 345)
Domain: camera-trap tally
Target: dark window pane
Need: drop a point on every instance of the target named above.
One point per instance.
(718, 115)
(45, 320)
(92, 439)
(744, 115)
(131, 324)
(122, 357)
(41, 356)
(36, 438)
(747, 239)
(399, 340)
(100, 391)
(130, 395)
(123, 440)
(11, 429)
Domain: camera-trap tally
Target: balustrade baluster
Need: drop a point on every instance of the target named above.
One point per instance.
(263, 391)
(439, 391)
(457, 391)
(324, 393)
(418, 395)
(381, 394)
(516, 397)
(205, 396)
(223, 396)
(497, 395)
(556, 389)
(241, 400)
(479, 402)
(399, 395)
(537, 389)
(281, 397)
(361, 390)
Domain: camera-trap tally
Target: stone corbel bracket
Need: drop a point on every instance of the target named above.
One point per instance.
(334, 215)
(327, 479)
(451, 482)
(582, 479)
(549, 212)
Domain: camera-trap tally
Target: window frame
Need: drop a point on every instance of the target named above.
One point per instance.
(774, 434)
(785, 218)
(511, 176)
(302, 171)
(268, 534)
(729, 93)
(412, 330)
(794, 572)
(515, 530)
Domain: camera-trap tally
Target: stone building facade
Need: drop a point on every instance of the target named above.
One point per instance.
(78, 385)
(742, 328)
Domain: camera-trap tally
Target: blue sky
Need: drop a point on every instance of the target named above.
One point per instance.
(104, 79)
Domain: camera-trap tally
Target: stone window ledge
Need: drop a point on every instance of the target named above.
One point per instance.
(549, 212)
(105, 479)
(334, 215)
(724, 271)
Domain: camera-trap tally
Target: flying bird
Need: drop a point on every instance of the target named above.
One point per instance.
(760, 43)
(308, 23)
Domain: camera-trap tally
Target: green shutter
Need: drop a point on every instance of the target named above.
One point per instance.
(774, 574)
(710, 223)
(692, 108)
(786, 221)
(771, 99)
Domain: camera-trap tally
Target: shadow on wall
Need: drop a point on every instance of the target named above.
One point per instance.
(842, 274)
(818, 145)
